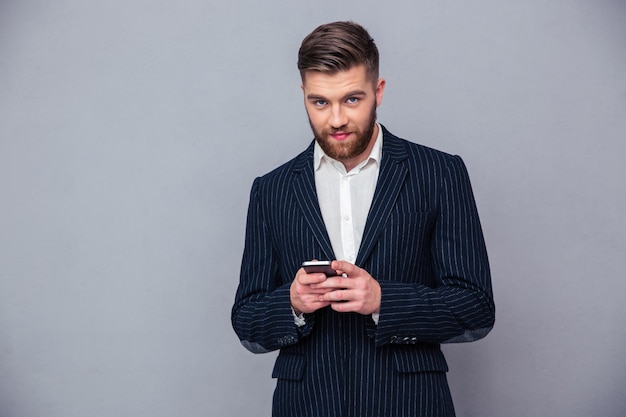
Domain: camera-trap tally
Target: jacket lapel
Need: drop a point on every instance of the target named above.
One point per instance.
(304, 190)
(390, 180)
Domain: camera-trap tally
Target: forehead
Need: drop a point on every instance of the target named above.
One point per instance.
(325, 84)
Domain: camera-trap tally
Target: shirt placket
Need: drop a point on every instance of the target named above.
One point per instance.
(347, 219)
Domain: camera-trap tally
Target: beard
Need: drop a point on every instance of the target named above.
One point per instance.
(348, 149)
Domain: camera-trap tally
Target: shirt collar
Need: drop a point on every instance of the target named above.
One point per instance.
(319, 155)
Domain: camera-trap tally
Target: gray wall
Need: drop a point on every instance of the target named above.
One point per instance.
(131, 131)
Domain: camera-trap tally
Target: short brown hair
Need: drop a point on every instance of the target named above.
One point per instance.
(338, 46)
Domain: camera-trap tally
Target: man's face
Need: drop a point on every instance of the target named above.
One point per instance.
(342, 112)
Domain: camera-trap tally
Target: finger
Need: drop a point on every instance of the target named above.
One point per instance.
(345, 307)
(307, 279)
(341, 295)
(316, 302)
(317, 291)
(334, 283)
(345, 267)
(306, 291)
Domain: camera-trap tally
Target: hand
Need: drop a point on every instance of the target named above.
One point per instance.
(305, 298)
(358, 292)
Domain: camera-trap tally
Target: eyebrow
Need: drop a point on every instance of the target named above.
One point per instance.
(353, 93)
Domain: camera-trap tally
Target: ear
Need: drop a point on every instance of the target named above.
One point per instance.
(380, 89)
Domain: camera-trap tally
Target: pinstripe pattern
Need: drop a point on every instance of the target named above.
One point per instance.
(422, 242)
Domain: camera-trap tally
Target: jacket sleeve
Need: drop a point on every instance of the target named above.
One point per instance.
(262, 315)
(459, 307)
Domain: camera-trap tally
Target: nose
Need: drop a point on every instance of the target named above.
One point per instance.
(337, 117)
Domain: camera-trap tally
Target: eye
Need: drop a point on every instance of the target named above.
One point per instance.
(352, 100)
(319, 103)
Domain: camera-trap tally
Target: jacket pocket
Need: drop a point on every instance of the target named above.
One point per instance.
(420, 359)
(289, 367)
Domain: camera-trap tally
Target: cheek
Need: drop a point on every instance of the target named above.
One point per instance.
(361, 118)
(317, 118)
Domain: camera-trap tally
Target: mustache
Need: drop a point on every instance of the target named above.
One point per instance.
(333, 130)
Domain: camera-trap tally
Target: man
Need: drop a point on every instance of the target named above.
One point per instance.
(400, 221)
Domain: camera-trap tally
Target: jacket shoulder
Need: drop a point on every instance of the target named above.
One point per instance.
(398, 147)
(283, 172)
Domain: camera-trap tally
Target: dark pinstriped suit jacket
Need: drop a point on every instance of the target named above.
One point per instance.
(422, 242)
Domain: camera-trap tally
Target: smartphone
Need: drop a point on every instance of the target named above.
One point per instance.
(319, 266)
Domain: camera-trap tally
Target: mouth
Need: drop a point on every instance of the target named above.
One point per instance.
(340, 136)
